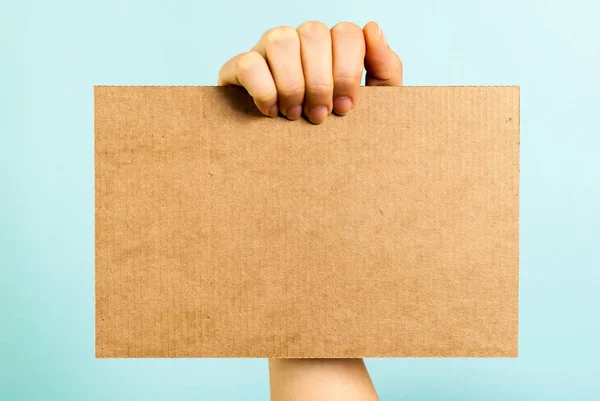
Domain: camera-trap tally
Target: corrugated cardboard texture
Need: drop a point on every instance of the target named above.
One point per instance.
(390, 232)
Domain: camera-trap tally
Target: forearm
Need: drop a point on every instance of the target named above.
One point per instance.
(320, 379)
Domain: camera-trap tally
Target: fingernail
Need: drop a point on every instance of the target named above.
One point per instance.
(381, 34)
(317, 114)
(274, 111)
(294, 112)
(342, 105)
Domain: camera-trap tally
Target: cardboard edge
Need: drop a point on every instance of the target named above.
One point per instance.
(362, 86)
(95, 94)
(100, 354)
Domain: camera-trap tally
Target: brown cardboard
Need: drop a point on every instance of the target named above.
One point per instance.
(390, 232)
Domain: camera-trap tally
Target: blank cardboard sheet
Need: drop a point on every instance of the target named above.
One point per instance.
(389, 232)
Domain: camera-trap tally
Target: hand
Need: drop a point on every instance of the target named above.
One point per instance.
(313, 69)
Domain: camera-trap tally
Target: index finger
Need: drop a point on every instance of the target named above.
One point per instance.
(251, 71)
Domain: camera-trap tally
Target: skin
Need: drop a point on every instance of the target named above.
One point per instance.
(315, 71)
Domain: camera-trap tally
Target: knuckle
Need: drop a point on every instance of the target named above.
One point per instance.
(247, 63)
(282, 35)
(348, 79)
(313, 28)
(320, 90)
(265, 95)
(292, 90)
(346, 28)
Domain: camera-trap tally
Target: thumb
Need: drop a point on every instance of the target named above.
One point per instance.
(384, 67)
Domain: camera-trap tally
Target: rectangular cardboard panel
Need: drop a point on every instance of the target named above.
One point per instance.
(390, 232)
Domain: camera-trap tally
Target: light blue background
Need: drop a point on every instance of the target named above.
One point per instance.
(53, 52)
